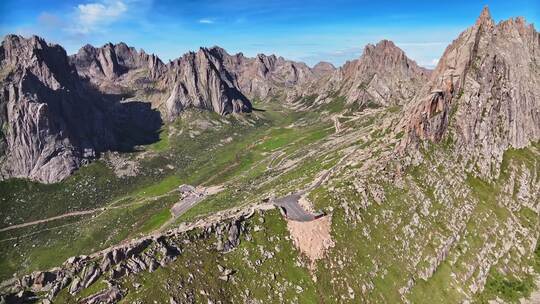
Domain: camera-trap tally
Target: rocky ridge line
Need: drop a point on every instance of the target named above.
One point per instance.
(382, 76)
(143, 254)
(483, 97)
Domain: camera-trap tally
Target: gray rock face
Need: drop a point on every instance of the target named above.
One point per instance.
(323, 68)
(383, 76)
(201, 80)
(264, 76)
(112, 61)
(46, 134)
(209, 79)
(195, 80)
(52, 122)
(212, 79)
(484, 93)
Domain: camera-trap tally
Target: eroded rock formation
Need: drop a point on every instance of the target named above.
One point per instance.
(484, 94)
(52, 121)
(382, 76)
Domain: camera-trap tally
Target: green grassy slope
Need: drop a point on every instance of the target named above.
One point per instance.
(423, 233)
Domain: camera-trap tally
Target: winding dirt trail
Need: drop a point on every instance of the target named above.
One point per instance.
(70, 214)
(83, 212)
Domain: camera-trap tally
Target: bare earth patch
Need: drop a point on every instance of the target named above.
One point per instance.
(121, 165)
(312, 238)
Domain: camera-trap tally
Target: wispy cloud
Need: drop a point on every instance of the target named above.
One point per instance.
(422, 44)
(240, 20)
(49, 20)
(337, 57)
(206, 21)
(424, 52)
(93, 16)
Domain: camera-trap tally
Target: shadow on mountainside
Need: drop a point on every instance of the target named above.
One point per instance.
(135, 123)
(131, 123)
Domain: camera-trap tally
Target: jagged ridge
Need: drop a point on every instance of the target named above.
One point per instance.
(483, 93)
(52, 121)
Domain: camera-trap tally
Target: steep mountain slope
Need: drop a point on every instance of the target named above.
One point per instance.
(382, 76)
(51, 122)
(264, 76)
(200, 80)
(209, 78)
(112, 61)
(483, 95)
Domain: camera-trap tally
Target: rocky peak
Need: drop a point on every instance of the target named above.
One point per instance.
(485, 19)
(47, 62)
(200, 80)
(483, 93)
(218, 52)
(54, 122)
(381, 49)
(383, 75)
(386, 58)
(323, 68)
(385, 55)
(109, 62)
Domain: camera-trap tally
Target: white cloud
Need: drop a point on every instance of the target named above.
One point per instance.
(206, 21)
(92, 16)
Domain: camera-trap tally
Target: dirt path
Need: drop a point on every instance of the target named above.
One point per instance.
(76, 213)
(83, 212)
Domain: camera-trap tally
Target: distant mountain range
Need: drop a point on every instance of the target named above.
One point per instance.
(59, 111)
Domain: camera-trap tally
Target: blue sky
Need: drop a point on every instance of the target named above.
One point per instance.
(310, 31)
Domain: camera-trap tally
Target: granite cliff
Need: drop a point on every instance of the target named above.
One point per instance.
(483, 96)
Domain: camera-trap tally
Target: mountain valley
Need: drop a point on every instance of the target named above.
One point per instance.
(219, 178)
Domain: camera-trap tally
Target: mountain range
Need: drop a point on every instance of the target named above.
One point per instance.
(53, 140)
(223, 178)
